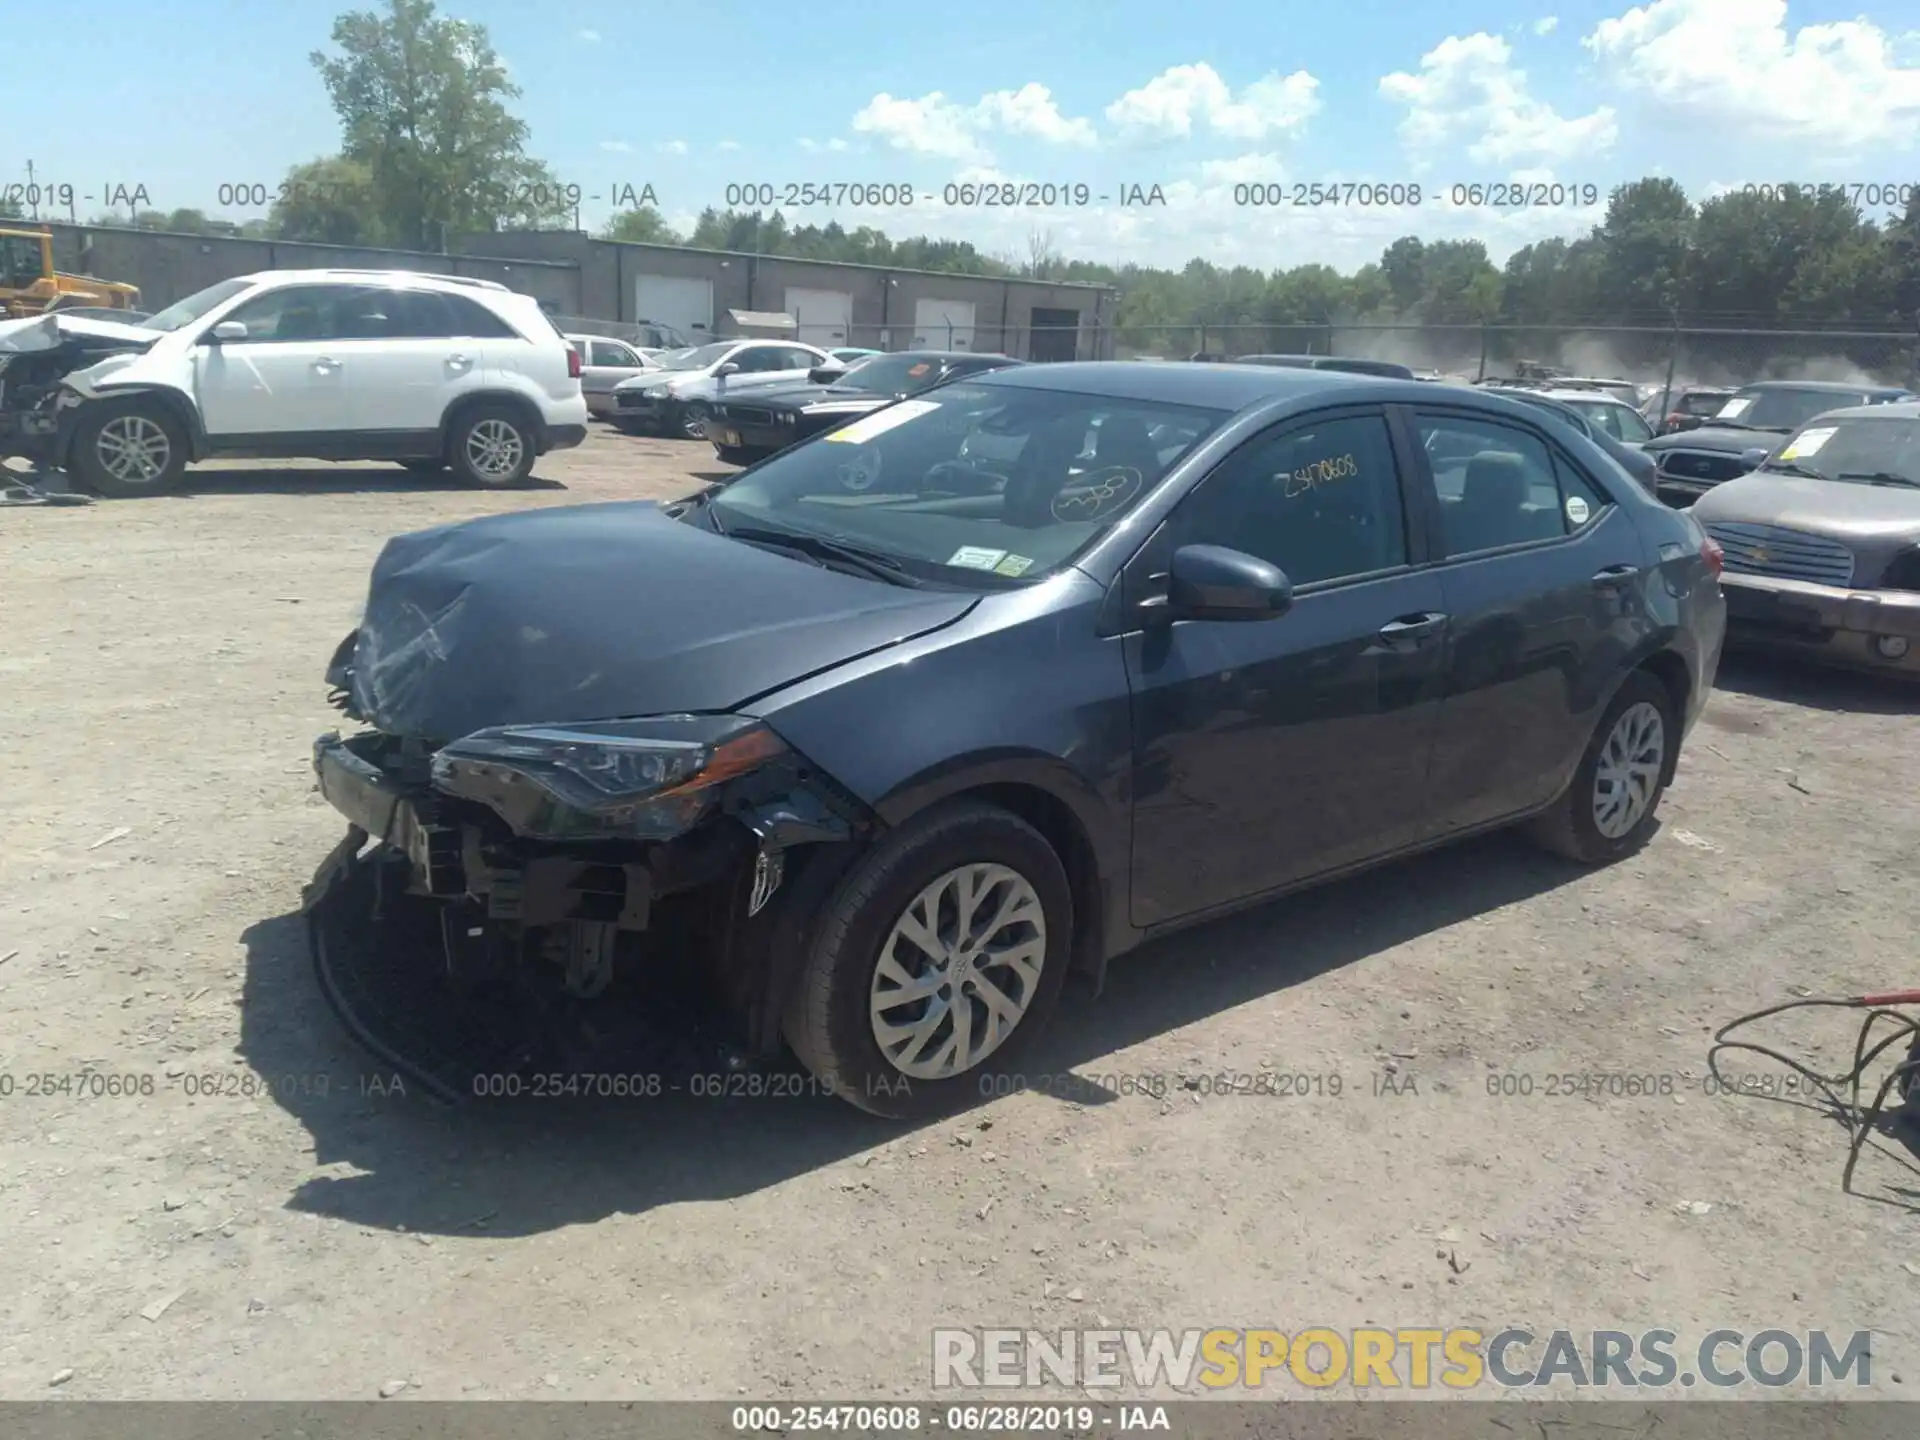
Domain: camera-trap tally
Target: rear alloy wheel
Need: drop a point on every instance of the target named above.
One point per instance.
(1608, 809)
(492, 448)
(130, 447)
(942, 954)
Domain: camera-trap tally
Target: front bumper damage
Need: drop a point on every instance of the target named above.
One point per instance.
(545, 905)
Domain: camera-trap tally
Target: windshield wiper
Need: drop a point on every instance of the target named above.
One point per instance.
(819, 547)
(1792, 467)
(1880, 477)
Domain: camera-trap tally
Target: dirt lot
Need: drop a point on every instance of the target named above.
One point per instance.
(162, 673)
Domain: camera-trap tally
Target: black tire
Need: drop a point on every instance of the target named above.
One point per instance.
(424, 467)
(479, 431)
(1570, 828)
(827, 1022)
(687, 427)
(96, 457)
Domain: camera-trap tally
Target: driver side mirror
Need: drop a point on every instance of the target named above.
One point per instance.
(1211, 582)
(228, 330)
(732, 367)
(1756, 456)
(825, 374)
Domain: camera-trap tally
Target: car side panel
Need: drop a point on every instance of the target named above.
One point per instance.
(1022, 690)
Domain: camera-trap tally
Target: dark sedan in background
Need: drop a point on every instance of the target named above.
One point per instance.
(1755, 419)
(750, 428)
(996, 683)
(1822, 541)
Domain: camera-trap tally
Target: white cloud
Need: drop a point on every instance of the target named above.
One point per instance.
(1031, 110)
(671, 147)
(820, 147)
(1733, 61)
(1546, 25)
(592, 37)
(1178, 99)
(1468, 89)
(729, 145)
(931, 125)
(1243, 169)
(618, 147)
(935, 125)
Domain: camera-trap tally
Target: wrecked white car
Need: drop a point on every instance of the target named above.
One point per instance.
(38, 357)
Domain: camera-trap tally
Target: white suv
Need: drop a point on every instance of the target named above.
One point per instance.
(433, 371)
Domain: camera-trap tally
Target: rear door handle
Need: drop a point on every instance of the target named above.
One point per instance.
(1615, 575)
(1412, 629)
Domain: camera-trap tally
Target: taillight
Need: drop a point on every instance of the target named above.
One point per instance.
(573, 363)
(1711, 552)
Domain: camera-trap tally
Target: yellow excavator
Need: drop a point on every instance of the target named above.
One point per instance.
(29, 284)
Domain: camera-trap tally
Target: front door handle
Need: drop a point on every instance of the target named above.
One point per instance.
(326, 365)
(460, 361)
(1615, 576)
(1412, 629)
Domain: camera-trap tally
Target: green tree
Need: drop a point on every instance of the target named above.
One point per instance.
(643, 224)
(11, 209)
(422, 102)
(1643, 247)
(328, 201)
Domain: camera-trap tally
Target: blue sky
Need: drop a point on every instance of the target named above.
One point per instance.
(692, 95)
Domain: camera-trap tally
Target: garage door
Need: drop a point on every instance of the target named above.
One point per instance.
(943, 325)
(677, 300)
(821, 317)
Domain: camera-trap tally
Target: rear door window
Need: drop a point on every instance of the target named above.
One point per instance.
(1500, 485)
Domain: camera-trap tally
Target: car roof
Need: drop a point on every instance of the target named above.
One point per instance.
(1830, 387)
(1567, 396)
(392, 277)
(1211, 386)
(943, 355)
(1897, 410)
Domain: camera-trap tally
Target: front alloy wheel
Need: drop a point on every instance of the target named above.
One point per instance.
(129, 447)
(958, 971)
(941, 952)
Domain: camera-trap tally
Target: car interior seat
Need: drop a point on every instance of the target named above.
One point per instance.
(1493, 508)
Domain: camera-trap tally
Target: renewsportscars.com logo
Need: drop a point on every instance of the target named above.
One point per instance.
(1379, 1359)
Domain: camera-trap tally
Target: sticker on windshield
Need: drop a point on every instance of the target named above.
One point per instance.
(1733, 409)
(881, 421)
(976, 557)
(917, 371)
(1578, 510)
(1809, 442)
(1014, 565)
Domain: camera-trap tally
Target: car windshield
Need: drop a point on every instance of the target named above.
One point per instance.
(185, 312)
(1701, 402)
(698, 358)
(1622, 422)
(892, 374)
(1856, 450)
(1784, 409)
(973, 484)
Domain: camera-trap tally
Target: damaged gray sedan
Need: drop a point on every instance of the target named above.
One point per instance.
(1822, 541)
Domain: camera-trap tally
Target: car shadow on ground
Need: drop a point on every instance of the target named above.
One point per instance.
(1797, 681)
(520, 1168)
(328, 480)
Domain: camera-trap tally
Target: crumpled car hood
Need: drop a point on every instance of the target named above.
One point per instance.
(601, 612)
(50, 332)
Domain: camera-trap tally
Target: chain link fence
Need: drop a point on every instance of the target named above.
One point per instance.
(1682, 355)
(1648, 355)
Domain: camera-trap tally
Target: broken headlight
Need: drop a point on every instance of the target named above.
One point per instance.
(646, 779)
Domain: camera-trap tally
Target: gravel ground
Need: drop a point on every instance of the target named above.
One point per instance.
(162, 672)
